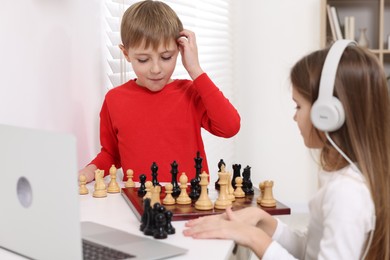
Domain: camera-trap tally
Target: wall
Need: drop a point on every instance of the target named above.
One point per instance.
(51, 77)
(270, 37)
(50, 67)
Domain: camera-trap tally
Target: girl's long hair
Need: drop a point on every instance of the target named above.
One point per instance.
(361, 87)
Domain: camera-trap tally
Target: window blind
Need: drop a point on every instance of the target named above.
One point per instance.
(211, 22)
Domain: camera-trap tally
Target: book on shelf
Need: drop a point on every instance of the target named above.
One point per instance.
(331, 23)
(349, 27)
(336, 22)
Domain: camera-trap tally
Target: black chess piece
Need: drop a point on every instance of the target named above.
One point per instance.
(144, 217)
(154, 169)
(220, 163)
(198, 165)
(236, 173)
(176, 188)
(169, 228)
(247, 185)
(141, 190)
(150, 221)
(194, 194)
(160, 223)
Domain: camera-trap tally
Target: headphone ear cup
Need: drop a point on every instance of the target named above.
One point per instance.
(327, 116)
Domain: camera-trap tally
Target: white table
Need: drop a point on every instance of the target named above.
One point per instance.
(115, 212)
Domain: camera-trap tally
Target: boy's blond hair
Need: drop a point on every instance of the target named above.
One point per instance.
(149, 23)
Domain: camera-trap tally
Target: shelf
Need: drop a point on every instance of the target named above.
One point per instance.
(374, 15)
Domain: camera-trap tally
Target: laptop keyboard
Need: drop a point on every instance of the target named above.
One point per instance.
(92, 251)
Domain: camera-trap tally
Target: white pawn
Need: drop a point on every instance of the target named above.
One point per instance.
(148, 189)
(82, 185)
(100, 187)
(130, 183)
(156, 190)
(113, 186)
(183, 198)
(261, 188)
(268, 199)
(204, 202)
(169, 199)
(239, 193)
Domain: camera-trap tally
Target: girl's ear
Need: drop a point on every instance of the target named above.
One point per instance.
(125, 52)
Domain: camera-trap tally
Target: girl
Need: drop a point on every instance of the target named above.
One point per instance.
(350, 213)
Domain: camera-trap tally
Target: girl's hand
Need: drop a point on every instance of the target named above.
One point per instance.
(229, 226)
(189, 53)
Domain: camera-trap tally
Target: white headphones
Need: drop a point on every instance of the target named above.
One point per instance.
(327, 113)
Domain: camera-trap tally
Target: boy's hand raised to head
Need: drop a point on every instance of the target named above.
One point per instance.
(189, 53)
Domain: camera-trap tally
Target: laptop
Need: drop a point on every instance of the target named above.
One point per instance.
(39, 201)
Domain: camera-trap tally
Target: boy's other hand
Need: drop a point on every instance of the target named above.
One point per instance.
(89, 172)
(189, 53)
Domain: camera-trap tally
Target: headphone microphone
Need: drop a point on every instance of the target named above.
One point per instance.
(327, 113)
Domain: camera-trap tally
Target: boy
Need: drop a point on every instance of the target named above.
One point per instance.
(154, 118)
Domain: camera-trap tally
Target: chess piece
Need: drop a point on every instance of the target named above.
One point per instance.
(221, 166)
(261, 189)
(229, 188)
(169, 228)
(145, 214)
(141, 190)
(195, 187)
(183, 198)
(204, 202)
(268, 199)
(148, 190)
(154, 169)
(175, 185)
(236, 173)
(113, 186)
(100, 190)
(150, 221)
(130, 183)
(160, 221)
(238, 192)
(155, 198)
(223, 201)
(198, 166)
(168, 200)
(247, 185)
(82, 185)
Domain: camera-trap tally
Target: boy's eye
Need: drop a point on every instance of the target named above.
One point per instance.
(142, 60)
(167, 58)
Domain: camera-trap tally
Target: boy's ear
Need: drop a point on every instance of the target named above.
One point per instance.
(125, 52)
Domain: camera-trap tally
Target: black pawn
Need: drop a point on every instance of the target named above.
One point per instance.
(160, 223)
(141, 190)
(220, 163)
(194, 194)
(236, 173)
(154, 169)
(169, 228)
(176, 188)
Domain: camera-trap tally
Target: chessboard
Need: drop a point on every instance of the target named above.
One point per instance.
(186, 212)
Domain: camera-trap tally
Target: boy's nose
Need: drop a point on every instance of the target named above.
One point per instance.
(155, 68)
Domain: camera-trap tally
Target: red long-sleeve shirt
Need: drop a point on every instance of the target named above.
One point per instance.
(139, 127)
